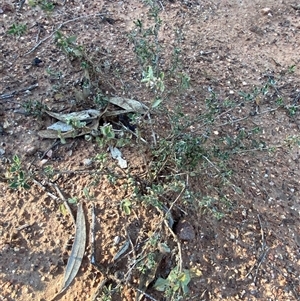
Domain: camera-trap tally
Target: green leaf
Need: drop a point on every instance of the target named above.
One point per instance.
(157, 102)
(16, 159)
(126, 206)
(14, 169)
(71, 39)
(161, 284)
(21, 175)
(63, 209)
(185, 279)
(163, 248)
(77, 52)
(72, 200)
(26, 186)
(107, 131)
(14, 185)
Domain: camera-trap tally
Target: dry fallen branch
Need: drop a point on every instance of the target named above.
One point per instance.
(263, 253)
(61, 197)
(55, 198)
(65, 201)
(16, 92)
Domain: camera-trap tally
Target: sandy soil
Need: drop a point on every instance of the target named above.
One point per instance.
(252, 253)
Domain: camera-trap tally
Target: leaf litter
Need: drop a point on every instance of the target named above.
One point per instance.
(77, 252)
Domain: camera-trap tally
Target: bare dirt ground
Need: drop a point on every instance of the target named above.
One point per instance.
(252, 253)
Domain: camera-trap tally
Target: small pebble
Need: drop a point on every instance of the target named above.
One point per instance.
(42, 162)
(30, 150)
(185, 231)
(87, 162)
(2, 152)
(266, 11)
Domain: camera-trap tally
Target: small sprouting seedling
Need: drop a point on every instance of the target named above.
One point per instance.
(76, 124)
(16, 175)
(107, 292)
(157, 101)
(292, 69)
(68, 45)
(54, 75)
(45, 5)
(102, 158)
(73, 200)
(100, 100)
(107, 135)
(107, 131)
(87, 194)
(174, 284)
(292, 110)
(34, 108)
(63, 210)
(152, 81)
(126, 206)
(17, 29)
(49, 172)
(148, 264)
(279, 102)
(184, 80)
(32, 3)
(291, 141)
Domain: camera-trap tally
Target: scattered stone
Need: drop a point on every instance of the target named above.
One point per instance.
(43, 162)
(2, 152)
(185, 231)
(30, 150)
(266, 11)
(6, 7)
(87, 162)
(49, 154)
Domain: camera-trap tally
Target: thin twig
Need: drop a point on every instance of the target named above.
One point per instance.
(51, 146)
(58, 28)
(243, 118)
(233, 121)
(263, 254)
(263, 242)
(93, 225)
(173, 203)
(132, 132)
(171, 231)
(261, 259)
(39, 32)
(23, 227)
(213, 165)
(16, 92)
(162, 6)
(145, 294)
(99, 289)
(178, 245)
(263, 246)
(153, 134)
(131, 244)
(44, 189)
(65, 201)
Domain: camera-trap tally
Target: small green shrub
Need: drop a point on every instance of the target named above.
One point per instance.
(17, 29)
